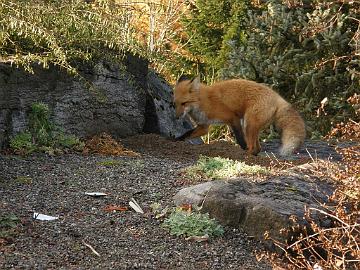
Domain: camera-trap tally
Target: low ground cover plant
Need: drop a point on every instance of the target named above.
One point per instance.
(218, 168)
(43, 135)
(8, 224)
(192, 224)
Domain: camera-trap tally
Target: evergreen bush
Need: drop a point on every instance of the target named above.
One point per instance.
(62, 33)
(209, 27)
(307, 53)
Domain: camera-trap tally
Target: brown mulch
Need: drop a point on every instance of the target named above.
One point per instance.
(184, 150)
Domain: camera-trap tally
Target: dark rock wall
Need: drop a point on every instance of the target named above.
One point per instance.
(160, 116)
(131, 104)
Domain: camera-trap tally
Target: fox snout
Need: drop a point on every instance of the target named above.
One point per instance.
(182, 111)
(179, 113)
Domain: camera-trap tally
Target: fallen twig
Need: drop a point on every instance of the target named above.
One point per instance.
(91, 248)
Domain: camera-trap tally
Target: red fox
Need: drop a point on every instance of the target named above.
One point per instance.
(246, 106)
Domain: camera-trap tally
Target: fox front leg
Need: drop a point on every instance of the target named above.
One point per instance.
(237, 130)
(239, 137)
(185, 135)
(200, 130)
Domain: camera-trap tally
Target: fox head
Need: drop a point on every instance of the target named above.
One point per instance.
(186, 95)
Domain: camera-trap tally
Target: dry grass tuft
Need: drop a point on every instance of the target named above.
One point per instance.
(104, 144)
(331, 240)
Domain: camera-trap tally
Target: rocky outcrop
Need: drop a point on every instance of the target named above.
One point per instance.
(256, 207)
(160, 109)
(122, 100)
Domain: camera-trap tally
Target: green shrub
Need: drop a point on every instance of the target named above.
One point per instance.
(69, 141)
(211, 25)
(40, 125)
(192, 224)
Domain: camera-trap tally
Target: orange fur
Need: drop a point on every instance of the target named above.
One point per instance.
(246, 106)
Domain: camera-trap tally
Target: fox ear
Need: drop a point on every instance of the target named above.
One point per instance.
(183, 78)
(195, 84)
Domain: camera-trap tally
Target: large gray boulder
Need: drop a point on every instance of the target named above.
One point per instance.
(160, 99)
(256, 207)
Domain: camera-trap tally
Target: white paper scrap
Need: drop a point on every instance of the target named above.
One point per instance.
(134, 205)
(42, 217)
(96, 194)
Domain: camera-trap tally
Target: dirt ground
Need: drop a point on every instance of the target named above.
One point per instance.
(56, 185)
(186, 151)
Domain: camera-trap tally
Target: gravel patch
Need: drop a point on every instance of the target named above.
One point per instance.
(124, 240)
(55, 185)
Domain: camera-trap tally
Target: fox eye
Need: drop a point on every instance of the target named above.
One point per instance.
(183, 103)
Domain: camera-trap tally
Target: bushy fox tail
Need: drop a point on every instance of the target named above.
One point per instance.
(292, 127)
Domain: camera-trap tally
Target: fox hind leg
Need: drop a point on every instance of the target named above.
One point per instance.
(253, 142)
(252, 139)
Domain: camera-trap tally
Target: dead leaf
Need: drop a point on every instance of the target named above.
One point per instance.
(186, 207)
(2, 242)
(115, 208)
